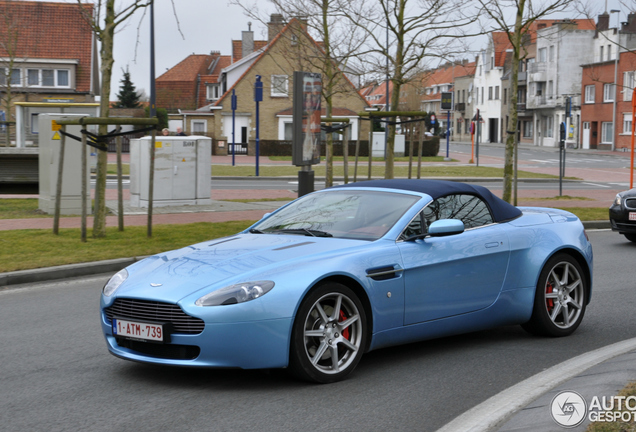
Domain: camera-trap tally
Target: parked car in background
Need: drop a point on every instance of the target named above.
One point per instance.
(349, 269)
(622, 214)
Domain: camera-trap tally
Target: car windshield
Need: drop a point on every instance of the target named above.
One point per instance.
(365, 215)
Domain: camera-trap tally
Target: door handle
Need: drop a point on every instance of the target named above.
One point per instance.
(492, 244)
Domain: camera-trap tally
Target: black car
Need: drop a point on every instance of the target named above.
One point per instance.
(622, 214)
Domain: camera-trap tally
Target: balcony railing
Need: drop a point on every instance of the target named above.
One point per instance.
(461, 106)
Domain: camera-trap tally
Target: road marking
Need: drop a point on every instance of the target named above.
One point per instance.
(595, 184)
(494, 412)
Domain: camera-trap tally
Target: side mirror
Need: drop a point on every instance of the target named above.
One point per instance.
(446, 227)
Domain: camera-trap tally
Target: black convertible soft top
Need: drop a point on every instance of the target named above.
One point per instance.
(501, 210)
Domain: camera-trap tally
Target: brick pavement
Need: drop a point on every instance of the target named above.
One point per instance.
(526, 197)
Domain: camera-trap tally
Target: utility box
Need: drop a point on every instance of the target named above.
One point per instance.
(50, 139)
(182, 171)
(379, 147)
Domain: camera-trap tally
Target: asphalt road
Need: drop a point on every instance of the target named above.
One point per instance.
(58, 376)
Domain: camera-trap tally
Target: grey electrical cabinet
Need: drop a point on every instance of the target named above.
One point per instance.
(182, 171)
(50, 140)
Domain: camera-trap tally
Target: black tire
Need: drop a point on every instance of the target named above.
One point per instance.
(630, 237)
(560, 298)
(331, 323)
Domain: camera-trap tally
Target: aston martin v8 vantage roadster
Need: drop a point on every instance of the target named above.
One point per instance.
(339, 272)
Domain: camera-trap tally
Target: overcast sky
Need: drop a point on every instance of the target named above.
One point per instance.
(207, 25)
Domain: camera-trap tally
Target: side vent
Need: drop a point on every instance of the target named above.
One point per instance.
(384, 273)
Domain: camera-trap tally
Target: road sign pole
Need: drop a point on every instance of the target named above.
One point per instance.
(258, 97)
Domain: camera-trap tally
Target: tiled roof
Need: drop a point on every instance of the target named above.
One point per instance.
(501, 44)
(581, 24)
(188, 68)
(445, 75)
(51, 31)
(375, 94)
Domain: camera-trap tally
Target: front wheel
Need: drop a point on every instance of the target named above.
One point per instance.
(560, 299)
(329, 334)
(630, 237)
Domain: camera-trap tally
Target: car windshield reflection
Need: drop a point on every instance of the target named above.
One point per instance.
(362, 215)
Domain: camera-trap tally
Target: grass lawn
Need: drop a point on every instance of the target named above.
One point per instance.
(28, 249)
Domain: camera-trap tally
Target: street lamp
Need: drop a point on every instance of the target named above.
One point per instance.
(616, 54)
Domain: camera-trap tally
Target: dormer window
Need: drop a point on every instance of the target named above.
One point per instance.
(213, 91)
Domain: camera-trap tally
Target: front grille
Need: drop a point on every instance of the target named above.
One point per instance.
(630, 203)
(155, 311)
(165, 351)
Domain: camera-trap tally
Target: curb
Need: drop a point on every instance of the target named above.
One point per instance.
(65, 271)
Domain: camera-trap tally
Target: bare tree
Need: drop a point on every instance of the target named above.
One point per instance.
(525, 13)
(104, 21)
(338, 46)
(410, 35)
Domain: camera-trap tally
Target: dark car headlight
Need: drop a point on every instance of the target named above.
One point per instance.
(114, 282)
(238, 293)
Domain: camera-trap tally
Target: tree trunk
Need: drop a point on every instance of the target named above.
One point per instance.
(106, 53)
(512, 110)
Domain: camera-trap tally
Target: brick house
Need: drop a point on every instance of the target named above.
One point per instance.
(47, 54)
(601, 102)
(287, 49)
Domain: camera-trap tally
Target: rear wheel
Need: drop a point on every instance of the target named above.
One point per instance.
(560, 299)
(630, 237)
(329, 334)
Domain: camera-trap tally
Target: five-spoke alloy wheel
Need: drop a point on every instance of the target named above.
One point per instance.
(560, 298)
(329, 334)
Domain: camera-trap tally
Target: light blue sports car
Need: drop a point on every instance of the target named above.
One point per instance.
(350, 269)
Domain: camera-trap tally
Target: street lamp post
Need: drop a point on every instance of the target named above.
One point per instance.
(616, 54)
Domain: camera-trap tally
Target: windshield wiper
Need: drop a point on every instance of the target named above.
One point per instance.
(255, 231)
(304, 231)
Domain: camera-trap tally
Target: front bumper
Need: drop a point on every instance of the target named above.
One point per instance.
(619, 220)
(245, 345)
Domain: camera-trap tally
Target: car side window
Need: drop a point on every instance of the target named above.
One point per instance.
(468, 208)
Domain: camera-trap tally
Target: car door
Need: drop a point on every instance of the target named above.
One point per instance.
(456, 274)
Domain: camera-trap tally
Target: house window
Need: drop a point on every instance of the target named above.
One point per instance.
(549, 123)
(47, 77)
(505, 97)
(628, 85)
(601, 53)
(589, 94)
(213, 91)
(609, 52)
(627, 123)
(607, 132)
(543, 55)
(550, 89)
(551, 53)
(289, 131)
(527, 129)
(482, 94)
(496, 92)
(279, 86)
(198, 127)
(489, 93)
(608, 93)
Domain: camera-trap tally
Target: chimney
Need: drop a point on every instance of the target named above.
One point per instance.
(248, 41)
(274, 26)
(630, 25)
(603, 22)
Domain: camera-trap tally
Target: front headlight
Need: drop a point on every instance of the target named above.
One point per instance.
(617, 200)
(114, 282)
(238, 293)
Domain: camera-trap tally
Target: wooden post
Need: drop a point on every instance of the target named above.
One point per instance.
(411, 149)
(345, 153)
(370, 149)
(151, 180)
(120, 192)
(419, 151)
(355, 166)
(84, 187)
(58, 186)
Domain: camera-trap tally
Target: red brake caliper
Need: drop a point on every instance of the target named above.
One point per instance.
(549, 302)
(345, 332)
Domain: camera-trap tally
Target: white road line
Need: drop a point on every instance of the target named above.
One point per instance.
(596, 184)
(495, 411)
